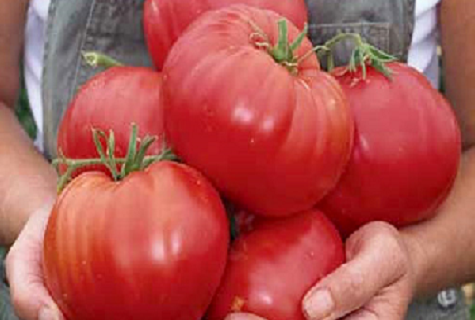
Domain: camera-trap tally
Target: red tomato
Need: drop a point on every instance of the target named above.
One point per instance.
(113, 100)
(273, 141)
(166, 20)
(152, 246)
(406, 151)
(271, 269)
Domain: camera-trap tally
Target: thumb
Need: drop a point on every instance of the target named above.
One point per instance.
(377, 262)
(242, 316)
(30, 298)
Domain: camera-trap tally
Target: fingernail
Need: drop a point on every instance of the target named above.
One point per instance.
(318, 305)
(242, 316)
(48, 313)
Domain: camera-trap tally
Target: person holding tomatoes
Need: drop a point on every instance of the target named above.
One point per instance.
(408, 273)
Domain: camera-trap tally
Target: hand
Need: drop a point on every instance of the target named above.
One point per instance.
(30, 298)
(376, 282)
(242, 316)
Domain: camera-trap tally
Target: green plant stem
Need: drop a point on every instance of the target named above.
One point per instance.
(135, 160)
(78, 163)
(96, 59)
(283, 52)
(364, 54)
(74, 164)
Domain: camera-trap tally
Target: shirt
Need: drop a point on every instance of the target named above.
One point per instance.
(422, 54)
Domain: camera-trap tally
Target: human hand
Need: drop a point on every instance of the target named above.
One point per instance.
(30, 298)
(376, 282)
(243, 316)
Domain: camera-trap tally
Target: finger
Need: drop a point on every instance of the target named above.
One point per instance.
(390, 304)
(243, 316)
(375, 260)
(30, 298)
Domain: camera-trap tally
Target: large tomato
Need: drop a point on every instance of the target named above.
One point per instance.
(406, 151)
(111, 101)
(152, 246)
(271, 268)
(274, 137)
(166, 20)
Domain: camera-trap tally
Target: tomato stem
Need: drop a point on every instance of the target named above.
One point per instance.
(96, 59)
(135, 160)
(281, 52)
(284, 51)
(363, 54)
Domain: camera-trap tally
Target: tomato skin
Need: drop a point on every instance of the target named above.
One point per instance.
(112, 100)
(153, 246)
(274, 143)
(406, 152)
(270, 269)
(166, 20)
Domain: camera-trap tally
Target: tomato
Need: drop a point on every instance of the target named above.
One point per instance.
(166, 20)
(273, 137)
(152, 246)
(406, 151)
(111, 101)
(270, 269)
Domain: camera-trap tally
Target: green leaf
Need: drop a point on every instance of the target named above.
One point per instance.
(298, 41)
(330, 62)
(111, 154)
(139, 159)
(97, 134)
(381, 67)
(352, 64)
(362, 59)
(381, 55)
(132, 150)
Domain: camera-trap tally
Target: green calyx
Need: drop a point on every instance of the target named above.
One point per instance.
(362, 56)
(283, 52)
(135, 160)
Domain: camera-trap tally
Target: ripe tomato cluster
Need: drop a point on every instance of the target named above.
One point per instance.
(305, 155)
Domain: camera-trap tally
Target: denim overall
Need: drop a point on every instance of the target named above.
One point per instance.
(114, 27)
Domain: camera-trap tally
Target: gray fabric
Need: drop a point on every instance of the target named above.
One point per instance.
(387, 24)
(449, 304)
(115, 27)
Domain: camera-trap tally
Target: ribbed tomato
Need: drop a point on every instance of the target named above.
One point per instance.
(265, 124)
(406, 151)
(112, 100)
(152, 246)
(271, 268)
(166, 20)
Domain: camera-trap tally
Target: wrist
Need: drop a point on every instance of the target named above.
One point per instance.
(421, 255)
(14, 222)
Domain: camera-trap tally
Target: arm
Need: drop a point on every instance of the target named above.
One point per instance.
(450, 236)
(386, 268)
(27, 181)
